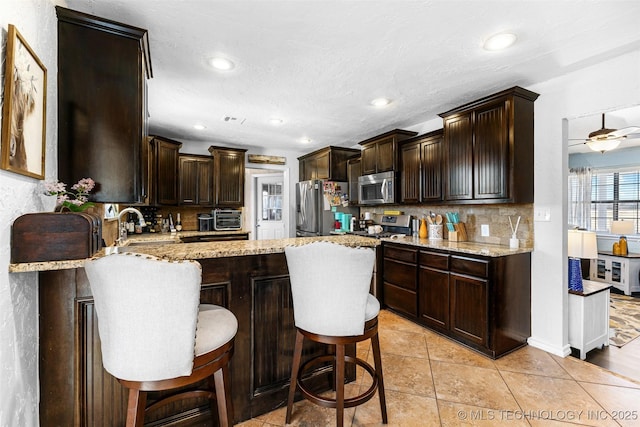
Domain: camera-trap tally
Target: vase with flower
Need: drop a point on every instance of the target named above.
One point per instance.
(74, 200)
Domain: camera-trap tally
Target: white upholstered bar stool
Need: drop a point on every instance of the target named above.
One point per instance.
(156, 336)
(332, 305)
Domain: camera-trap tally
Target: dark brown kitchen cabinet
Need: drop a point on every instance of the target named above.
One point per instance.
(399, 272)
(102, 113)
(163, 167)
(353, 173)
(196, 180)
(482, 302)
(328, 163)
(380, 153)
(421, 168)
(433, 291)
(489, 149)
(228, 176)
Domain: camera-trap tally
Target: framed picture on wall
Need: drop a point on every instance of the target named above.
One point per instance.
(23, 109)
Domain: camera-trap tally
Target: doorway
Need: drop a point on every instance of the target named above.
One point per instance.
(266, 212)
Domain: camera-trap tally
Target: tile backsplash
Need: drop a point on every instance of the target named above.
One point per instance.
(495, 216)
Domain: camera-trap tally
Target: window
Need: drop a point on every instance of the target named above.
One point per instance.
(615, 195)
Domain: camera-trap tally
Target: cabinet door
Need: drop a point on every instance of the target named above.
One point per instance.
(166, 172)
(205, 182)
(469, 308)
(410, 173)
(369, 159)
(433, 298)
(188, 181)
(432, 170)
(322, 165)
(385, 155)
(491, 152)
(228, 182)
(353, 172)
(459, 158)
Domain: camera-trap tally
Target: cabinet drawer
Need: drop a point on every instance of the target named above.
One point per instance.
(470, 266)
(434, 260)
(400, 274)
(400, 299)
(401, 254)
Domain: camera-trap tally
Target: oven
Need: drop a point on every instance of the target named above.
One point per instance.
(377, 188)
(227, 219)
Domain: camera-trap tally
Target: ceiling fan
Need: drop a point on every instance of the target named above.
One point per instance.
(605, 139)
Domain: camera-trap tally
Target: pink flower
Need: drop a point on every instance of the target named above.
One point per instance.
(76, 199)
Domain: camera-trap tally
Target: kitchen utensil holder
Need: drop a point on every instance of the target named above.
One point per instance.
(459, 234)
(435, 231)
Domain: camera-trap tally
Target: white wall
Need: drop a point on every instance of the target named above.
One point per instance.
(609, 85)
(36, 21)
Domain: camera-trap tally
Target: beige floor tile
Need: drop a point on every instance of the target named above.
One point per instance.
(251, 423)
(406, 374)
(391, 321)
(471, 385)
(621, 403)
(403, 343)
(446, 350)
(453, 414)
(403, 410)
(530, 360)
(553, 423)
(553, 398)
(588, 372)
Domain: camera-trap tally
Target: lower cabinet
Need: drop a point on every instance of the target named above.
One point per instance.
(400, 279)
(482, 302)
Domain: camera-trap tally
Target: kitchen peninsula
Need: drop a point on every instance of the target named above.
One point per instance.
(250, 277)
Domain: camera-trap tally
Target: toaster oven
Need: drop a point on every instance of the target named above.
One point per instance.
(227, 219)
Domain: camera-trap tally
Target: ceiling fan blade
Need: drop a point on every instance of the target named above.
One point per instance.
(623, 132)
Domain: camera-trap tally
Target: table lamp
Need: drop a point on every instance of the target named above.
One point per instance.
(581, 244)
(622, 228)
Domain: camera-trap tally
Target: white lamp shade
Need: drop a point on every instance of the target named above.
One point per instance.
(603, 145)
(582, 244)
(622, 227)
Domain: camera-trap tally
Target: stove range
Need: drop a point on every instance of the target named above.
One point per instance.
(391, 225)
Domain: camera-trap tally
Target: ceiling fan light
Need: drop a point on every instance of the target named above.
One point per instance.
(603, 145)
(222, 64)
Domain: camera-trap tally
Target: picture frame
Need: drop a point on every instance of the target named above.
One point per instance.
(23, 109)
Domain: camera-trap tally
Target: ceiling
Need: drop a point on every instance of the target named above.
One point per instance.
(317, 64)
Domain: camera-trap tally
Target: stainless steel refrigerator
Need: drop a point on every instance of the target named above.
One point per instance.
(314, 202)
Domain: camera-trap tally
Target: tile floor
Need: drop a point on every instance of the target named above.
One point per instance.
(432, 381)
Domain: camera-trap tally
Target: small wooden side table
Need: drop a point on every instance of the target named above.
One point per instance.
(589, 317)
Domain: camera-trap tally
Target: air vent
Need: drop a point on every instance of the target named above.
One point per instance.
(231, 119)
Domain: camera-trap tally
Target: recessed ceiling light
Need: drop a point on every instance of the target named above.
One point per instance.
(499, 41)
(380, 102)
(222, 64)
(275, 121)
(305, 140)
(199, 127)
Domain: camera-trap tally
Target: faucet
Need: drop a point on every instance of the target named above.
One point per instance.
(122, 233)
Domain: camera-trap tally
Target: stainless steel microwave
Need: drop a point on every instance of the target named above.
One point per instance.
(377, 188)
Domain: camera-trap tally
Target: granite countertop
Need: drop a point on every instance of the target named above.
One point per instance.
(201, 250)
(473, 248)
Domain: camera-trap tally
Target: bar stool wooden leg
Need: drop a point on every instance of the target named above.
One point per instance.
(223, 396)
(135, 409)
(339, 374)
(297, 356)
(375, 344)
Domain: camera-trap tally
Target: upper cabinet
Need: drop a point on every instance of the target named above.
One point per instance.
(102, 115)
(163, 167)
(196, 180)
(353, 173)
(379, 154)
(488, 149)
(228, 176)
(329, 163)
(421, 168)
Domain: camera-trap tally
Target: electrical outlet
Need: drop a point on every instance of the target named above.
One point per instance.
(484, 230)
